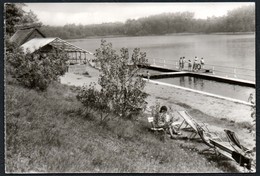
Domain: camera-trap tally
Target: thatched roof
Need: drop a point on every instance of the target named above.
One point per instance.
(21, 35)
(38, 43)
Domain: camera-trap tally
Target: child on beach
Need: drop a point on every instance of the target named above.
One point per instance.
(251, 98)
(148, 75)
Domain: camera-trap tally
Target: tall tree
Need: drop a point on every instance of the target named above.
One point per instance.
(15, 15)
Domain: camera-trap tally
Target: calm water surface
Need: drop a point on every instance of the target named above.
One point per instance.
(228, 50)
(218, 50)
(219, 88)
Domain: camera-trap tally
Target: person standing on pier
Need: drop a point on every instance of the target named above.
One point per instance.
(180, 64)
(202, 63)
(183, 62)
(189, 65)
(195, 64)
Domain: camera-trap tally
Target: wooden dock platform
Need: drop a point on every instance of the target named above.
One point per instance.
(205, 74)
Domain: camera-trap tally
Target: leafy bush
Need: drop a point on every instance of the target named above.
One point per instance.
(94, 100)
(36, 70)
(119, 78)
(121, 88)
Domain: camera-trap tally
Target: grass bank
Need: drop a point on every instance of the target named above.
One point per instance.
(49, 132)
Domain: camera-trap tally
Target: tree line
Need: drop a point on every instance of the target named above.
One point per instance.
(238, 20)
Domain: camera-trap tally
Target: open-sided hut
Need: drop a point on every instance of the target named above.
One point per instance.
(45, 45)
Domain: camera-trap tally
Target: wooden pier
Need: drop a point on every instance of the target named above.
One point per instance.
(205, 74)
(223, 71)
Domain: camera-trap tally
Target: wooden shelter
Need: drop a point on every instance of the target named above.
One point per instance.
(45, 45)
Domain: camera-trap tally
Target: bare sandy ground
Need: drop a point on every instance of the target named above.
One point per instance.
(219, 114)
(216, 107)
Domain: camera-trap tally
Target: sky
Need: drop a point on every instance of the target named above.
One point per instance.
(59, 14)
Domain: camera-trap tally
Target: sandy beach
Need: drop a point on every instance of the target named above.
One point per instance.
(219, 114)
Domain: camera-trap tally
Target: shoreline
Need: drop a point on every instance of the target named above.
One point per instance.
(238, 109)
(202, 92)
(218, 114)
(214, 109)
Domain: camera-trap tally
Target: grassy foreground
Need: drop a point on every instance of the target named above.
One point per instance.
(48, 132)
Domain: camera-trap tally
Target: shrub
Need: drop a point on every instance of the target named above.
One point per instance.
(119, 79)
(121, 88)
(95, 100)
(36, 70)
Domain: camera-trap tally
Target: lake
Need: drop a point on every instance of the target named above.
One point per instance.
(210, 86)
(218, 50)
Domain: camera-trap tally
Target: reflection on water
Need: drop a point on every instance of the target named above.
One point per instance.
(192, 82)
(219, 88)
(182, 81)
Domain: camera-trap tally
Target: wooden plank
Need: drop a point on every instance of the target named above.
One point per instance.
(225, 154)
(225, 146)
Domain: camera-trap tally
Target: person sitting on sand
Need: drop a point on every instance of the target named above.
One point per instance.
(166, 121)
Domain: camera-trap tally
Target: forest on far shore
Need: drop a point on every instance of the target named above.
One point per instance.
(238, 20)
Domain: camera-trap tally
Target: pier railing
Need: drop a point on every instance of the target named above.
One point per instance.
(226, 71)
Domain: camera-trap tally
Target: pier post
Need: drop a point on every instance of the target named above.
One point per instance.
(176, 65)
(153, 61)
(213, 70)
(235, 75)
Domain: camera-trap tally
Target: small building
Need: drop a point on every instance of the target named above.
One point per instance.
(26, 33)
(31, 39)
(45, 45)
